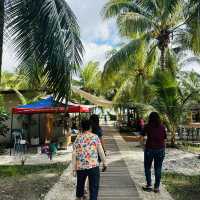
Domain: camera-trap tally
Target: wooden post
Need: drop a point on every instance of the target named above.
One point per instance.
(11, 127)
(39, 134)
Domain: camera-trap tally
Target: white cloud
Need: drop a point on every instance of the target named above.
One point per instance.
(95, 52)
(9, 62)
(92, 26)
(195, 66)
(97, 35)
(93, 30)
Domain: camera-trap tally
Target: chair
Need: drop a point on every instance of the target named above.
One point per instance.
(19, 143)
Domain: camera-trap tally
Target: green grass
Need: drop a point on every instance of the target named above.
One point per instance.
(18, 170)
(191, 149)
(182, 187)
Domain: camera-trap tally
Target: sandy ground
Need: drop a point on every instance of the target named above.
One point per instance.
(182, 162)
(175, 160)
(31, 187)
(36, 159)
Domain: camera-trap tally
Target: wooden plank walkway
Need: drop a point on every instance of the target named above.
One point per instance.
(116, 183)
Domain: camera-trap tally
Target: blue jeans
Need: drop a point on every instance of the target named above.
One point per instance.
(93, 175)
(156, 155)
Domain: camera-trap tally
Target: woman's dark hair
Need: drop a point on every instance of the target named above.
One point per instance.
(154, 119)
(94, 121)
(85, 125)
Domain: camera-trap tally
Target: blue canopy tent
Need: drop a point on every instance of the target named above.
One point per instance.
(48, 105)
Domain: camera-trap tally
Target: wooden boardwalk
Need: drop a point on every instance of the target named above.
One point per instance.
(116, 183)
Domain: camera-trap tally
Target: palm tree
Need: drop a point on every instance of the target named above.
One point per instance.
(46, 30)
(171, 99)
(158, 22)
(130, 68)
(189, 82)
(32, 74)
(90, 78)
(1, 32)
(16, 82)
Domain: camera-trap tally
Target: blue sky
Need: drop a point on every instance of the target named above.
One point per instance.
(98, 36)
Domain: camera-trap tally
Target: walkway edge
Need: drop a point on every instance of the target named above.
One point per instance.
(64, 188)
(136, 175)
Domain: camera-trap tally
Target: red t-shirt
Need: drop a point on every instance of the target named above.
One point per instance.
(155, 136)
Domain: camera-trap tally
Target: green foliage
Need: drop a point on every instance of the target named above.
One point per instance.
(172, 97)
(32, 74)
(182, 187)
(3, 128)
(18, 170)
(3, 118)
(160, 22)
(129, 69)
(89, 79)
(47, 30)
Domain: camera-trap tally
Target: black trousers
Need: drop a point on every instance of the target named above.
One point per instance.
(158, 156)
(93, 175)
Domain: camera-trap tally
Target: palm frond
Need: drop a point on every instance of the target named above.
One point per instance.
(51, 34)
(151, 62)
(121, 59)
(20, 96)
(170, 7)
(90, 77)
(124, 91)
(115, 7)
(138, 91)
(171, 62)
(2, 15)
(33, 73)
(131, 23)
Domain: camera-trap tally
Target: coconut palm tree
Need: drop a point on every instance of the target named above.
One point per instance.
(172, 98)
(48, 31)
(16, 82)
(158, 22)
(189, 82)
(90, 78)
(190, 36)
(130, 68)
(32, 74)
(1, 32)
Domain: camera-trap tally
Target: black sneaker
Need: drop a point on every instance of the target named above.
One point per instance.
(147, 188)
(156, 190)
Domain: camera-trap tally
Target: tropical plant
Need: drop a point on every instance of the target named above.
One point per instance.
(11, 80)
(47, 31)
(2, 9)
(131, 67)
(32, 74)
(170, 100)
(90, 78)
(158, 22)
(17, 82)
(3, 117)
(189, 82)
(3, 127)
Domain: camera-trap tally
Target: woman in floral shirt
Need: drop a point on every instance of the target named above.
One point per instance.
(85, 161)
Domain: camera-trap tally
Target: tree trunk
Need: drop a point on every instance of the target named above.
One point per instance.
(162, 58)
(2, 10)
(173, 137)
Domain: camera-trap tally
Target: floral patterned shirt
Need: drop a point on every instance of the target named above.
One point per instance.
(86, 149)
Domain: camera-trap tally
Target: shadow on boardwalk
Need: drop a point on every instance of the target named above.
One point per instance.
(122, 180)
(133, 161)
